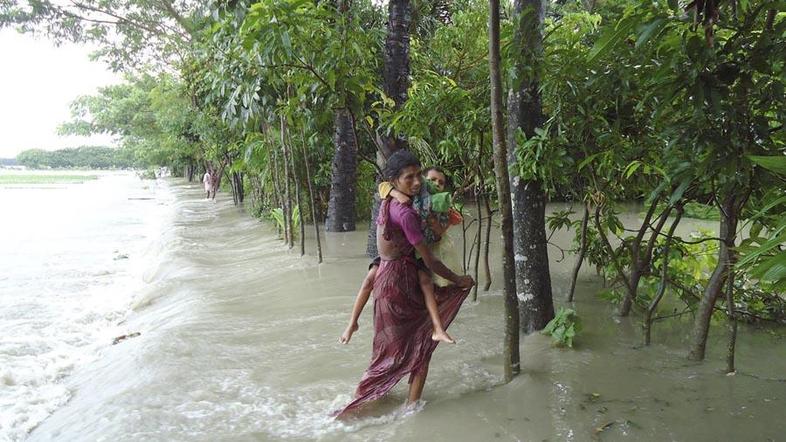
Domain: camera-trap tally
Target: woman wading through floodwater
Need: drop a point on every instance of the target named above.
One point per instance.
(402, 328)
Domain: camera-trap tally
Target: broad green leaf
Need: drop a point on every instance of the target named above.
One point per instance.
(772, 163)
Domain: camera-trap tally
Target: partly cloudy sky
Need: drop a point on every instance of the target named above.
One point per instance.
(37, 83)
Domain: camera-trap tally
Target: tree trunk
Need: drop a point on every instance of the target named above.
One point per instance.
(299, 206)
(279, 202)
(533, 281)
(291, 182)
(396, 71)
(287, 197)
(287, 179)
(487, 246)
(728, 233)
(396, 83)
(582, 252)
(237, 187)
(663, 279)
(479, 236)
(732, 320)
(311, 197)
(639, 263)
(511, 359)
(341, 206)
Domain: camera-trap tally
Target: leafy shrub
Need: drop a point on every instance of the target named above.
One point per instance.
(563, 327)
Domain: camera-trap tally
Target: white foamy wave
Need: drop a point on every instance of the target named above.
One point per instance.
(71, 282)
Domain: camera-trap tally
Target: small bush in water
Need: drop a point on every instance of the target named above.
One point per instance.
(563, 327)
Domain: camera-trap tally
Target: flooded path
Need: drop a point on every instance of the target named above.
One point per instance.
(239, 342)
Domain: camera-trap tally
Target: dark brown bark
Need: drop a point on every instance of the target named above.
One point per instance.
(487, 245)
(727, 235)
(511, 359)
(396, 71)
(190, 171)
(663, 279)
(640, 262)
(396, 83)
(582, 251)
(238, 193)
(464, 263)
(295, 178)
(479, 236)
(525, 114)
(770, 21)
(278, 201)
(287, 179)
(341, 206)
(732, 317)
(311, 196)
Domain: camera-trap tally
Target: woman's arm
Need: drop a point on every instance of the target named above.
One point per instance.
(436, 266)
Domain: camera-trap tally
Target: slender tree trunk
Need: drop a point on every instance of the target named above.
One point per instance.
(639, 263)
(582, 251)
(297, 195)
(190, 169)
(663, 279)
(237, 187)
(732, 320)
(511, 361)
(311, 197)
(479, 236)
(533, 280)
(396, 84)
(464, 263)
(287, 194)
(728, 233)
(487, 246)
(341, 207)
(279, 202)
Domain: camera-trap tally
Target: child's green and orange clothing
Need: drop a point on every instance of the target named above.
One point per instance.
(429, 203)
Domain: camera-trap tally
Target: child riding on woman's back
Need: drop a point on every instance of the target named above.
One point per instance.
(433, 205)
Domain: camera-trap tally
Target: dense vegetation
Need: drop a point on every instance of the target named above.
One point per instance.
(85, 157)
(295, 103)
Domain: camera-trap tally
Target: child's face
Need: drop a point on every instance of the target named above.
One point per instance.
(437, 178)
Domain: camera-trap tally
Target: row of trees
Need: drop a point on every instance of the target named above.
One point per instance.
(298, 103)
(85, 157)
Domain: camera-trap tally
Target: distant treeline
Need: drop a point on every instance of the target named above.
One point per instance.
(85, 157)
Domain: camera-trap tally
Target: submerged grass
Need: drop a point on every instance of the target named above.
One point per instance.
(44, 179)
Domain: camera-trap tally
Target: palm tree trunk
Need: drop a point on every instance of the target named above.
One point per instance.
(341, 206)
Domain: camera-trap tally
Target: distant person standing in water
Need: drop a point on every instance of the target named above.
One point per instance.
(207, 180)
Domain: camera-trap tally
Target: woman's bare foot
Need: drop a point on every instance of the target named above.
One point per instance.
(442, 336)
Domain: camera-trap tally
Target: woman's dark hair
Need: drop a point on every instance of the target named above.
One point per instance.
(399, 161)
(448, 180)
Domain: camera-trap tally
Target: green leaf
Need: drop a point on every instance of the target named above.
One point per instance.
(649, 30)
(631, 169)
(774, 163)
(772, 269)
(610, 39)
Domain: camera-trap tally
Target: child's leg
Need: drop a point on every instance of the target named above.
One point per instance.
(427, 287)
(360, 301)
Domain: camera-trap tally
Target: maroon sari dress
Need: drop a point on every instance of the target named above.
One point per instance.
(402, 326)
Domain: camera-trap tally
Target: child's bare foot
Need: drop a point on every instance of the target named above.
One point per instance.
(442, 336)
